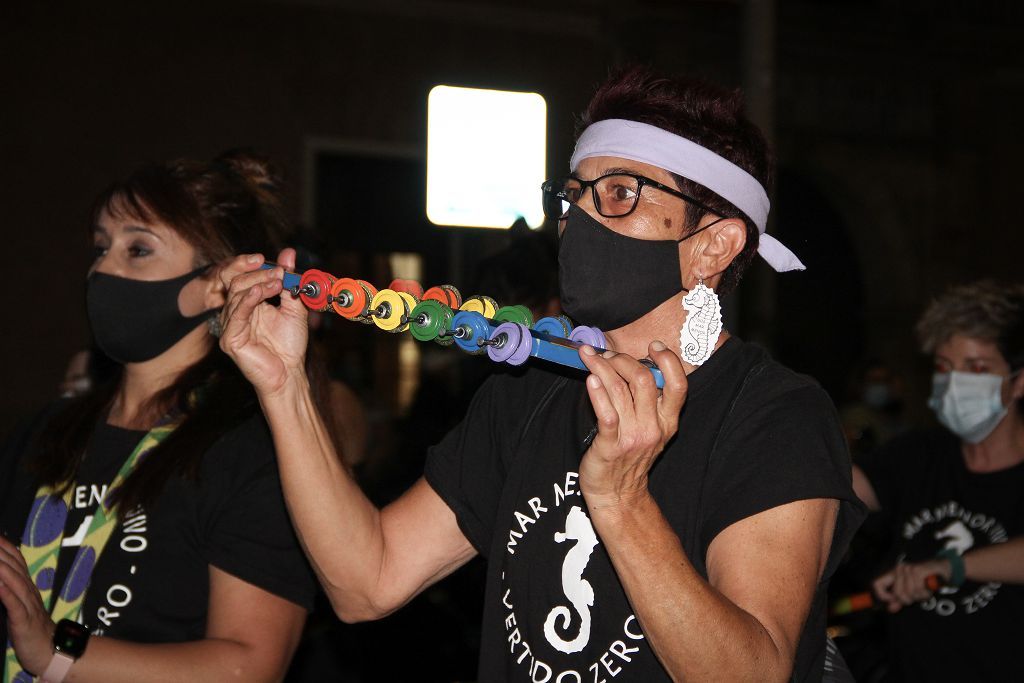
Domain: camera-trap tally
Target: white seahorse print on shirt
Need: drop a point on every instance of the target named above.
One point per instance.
(577, 589)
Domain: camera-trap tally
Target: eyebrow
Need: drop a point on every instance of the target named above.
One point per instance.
(620, 169)
(969, 359)
(139, 228)
(610, 171)
(128, 228)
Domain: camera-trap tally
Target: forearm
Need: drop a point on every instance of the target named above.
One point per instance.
(108, 660)
(696, 632)
(339, 528)
(1001, 562)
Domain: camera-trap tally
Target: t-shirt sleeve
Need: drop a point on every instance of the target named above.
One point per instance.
(781, 443)
(247, 531)
(467, 468)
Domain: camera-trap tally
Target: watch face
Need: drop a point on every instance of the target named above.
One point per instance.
(70, 637)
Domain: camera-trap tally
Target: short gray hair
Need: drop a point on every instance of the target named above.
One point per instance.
(982, 310)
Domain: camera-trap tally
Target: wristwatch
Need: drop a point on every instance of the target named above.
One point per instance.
(956, 566)
(69, 641)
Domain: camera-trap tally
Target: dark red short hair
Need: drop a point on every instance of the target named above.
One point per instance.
(704, 113)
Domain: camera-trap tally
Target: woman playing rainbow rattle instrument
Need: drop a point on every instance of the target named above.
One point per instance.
(649, 535)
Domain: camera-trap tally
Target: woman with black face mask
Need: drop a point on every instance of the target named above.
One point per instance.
(955, 497)
(146, 538)
(682, 534)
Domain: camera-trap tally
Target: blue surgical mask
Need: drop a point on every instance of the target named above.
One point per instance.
(877, 395)
(969, 404)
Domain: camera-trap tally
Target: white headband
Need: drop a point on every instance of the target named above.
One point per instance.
(652, 145)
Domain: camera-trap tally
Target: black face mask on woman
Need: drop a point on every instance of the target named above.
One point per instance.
(136, 320)
(608, 280)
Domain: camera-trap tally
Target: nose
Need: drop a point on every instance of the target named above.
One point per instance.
(97, 264)
(107, 263)
(586, 200)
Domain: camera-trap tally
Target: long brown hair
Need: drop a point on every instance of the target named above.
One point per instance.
(223, 207)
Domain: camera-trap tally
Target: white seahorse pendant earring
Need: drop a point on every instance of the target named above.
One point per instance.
(703, 324)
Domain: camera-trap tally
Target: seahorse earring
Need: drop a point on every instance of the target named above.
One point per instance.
(703, 324)
(215, 326)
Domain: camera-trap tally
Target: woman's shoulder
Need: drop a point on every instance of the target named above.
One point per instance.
(510, 389)
(246, 446)
(765, 383)
(252, 428)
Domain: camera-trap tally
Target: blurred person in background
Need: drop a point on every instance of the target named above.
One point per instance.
(86, 369)
(525, 272)
(954, 497)
(875, 413)
(148, 508)
(77, 377)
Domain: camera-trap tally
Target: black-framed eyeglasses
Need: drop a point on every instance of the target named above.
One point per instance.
(615, 194)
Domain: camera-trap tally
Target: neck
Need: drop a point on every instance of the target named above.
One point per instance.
(661, 324)
(133, 407)
(1001, 449)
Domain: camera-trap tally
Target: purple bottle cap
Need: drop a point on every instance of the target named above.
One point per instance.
(590, 336)
(513, 336)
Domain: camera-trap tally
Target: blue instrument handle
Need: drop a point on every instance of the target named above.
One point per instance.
(567, 352)
(291, 280)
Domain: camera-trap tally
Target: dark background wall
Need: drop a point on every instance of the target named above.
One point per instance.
(896, 125)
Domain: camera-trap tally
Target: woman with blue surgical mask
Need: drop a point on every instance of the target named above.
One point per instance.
(971, 402)
(955, 497)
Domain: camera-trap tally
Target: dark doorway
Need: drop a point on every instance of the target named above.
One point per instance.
(819, 327)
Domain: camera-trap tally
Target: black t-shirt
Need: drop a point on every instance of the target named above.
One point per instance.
(753, 435)
(931, 501)
(151, 584)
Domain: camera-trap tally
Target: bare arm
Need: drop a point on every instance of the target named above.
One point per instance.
(369, 561)
(375, 560)
(1002, 562)
(251, 635)
(350, 422)
(745, 621)
(905, 584)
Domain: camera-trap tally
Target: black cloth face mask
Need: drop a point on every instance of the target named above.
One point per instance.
(608, 280)
(137, 320)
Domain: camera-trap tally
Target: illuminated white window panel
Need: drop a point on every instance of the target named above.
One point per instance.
(485, 157)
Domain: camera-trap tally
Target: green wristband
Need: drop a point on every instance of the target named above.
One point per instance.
(956, 565)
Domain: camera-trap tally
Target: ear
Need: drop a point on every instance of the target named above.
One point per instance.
(1017, 386)
(214, 292)
(722, 243)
